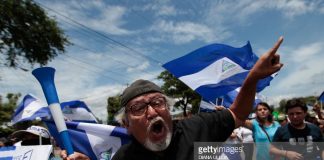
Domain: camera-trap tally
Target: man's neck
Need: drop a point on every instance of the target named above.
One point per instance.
(301, 126)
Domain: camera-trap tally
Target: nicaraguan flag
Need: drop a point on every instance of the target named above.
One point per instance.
(216, 69)
(31, 107)
(97, 141)
(226, 101)
(38, 152)
(77, 111)
(206, 106)
(321, 97)
(229, 98)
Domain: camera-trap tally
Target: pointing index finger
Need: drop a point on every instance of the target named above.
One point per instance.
(274, 49)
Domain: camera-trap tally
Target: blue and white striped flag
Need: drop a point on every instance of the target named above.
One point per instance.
(39, 152)
(229, 98)
(321, 97)
(216, 69)
(31, 107)
(226, 101)
(77, 111)
(97, 141)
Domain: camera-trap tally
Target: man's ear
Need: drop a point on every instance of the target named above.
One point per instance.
(125, 123)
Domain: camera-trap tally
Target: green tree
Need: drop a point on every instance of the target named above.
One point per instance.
(28, 34)
(112, 108)
(6, 111)
(182, 93)
(309, 100)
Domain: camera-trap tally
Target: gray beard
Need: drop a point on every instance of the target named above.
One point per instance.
(161, 145)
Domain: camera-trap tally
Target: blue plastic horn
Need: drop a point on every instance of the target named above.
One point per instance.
(45, 76)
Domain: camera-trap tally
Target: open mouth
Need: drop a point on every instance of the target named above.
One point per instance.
(157, 127)
(157, 130)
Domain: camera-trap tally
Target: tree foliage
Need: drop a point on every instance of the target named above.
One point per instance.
(182, 93)
(309, 100)
(112, 108)
(28, 34)
(6, 111)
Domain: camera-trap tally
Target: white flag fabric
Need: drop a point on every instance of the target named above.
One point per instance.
(227, 101)
(39, 152)
(97, 141)
(216, 69)
(31, 107)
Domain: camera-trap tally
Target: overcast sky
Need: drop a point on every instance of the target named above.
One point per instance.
(118, 41)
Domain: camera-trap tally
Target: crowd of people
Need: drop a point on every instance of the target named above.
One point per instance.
(298, 125)
(154, 135)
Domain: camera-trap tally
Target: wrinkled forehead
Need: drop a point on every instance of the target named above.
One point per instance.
(144, 97)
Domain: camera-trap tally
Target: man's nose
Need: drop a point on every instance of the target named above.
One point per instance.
(294, 115)
(151, 112)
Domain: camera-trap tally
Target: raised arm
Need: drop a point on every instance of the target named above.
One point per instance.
(268, 64)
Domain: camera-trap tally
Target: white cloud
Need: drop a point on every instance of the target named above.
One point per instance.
(183, 32)
(304, 76)
(167, 10)
(321, 9)
(140, 67)
(228, 13)
(297, 7)
(301, 72)
(162, 8)
(96, 98)
(110, 20)
(304, 53)
(107, 18)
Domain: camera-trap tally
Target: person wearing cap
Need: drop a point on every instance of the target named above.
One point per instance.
(33, 135)
(303, 140)
(147, 118)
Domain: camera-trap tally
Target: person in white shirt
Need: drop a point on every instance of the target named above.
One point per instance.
(245, 136)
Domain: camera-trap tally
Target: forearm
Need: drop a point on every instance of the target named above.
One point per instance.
(267, 64)
(277, 152)
(243, 103)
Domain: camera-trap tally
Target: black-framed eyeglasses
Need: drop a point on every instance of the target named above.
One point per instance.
(140, 108)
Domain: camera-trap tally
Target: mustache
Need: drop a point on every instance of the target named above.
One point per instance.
(156, 119)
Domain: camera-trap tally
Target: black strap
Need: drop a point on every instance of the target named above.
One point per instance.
(265, 132)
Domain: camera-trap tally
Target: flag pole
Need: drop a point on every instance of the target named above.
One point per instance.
(40, 135)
